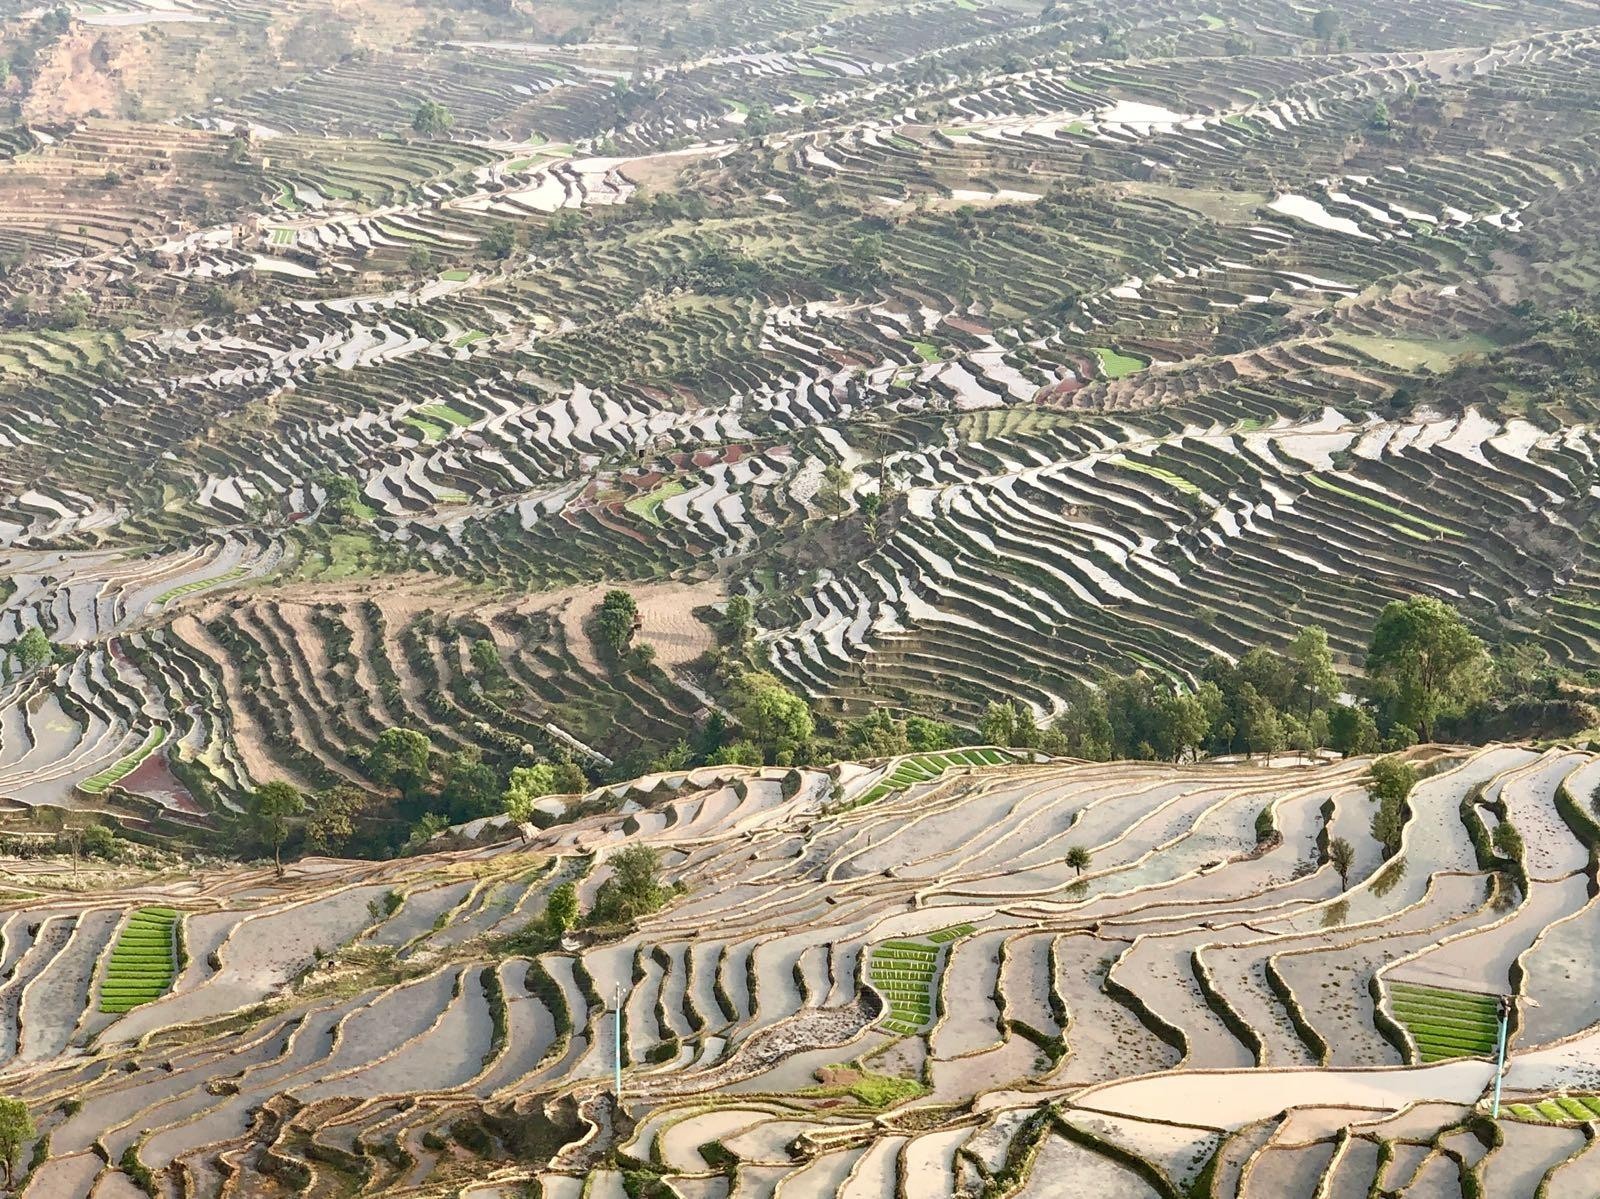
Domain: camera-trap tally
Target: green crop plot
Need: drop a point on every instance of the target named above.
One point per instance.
(1446, 1023)
(142, 962)
(1117, 365)
(115, 773)
(924, 768)
(238, 572)
(906, 973)
(648, 507)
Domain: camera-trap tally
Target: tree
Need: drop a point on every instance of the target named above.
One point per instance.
(399, 758)
(1393, 778)
(876, 735)
(527, 784)
(1084, 725)
(1343, 856)
(432, 119)
(1313, 681)
(739, 615)
(774, 717)
(16, 1130)
(924, 735)
(500, 241)
(1259, 729)
(1507, 841)
(471, 788)
(34, 651)
(1078, 858)
(561, 911)
(419, 259)
(1325, 24)
(272, 807)
(617, 619)
(101, 842)
(486, 660)
(1425, 662)
(331, 820)
(736, 753)
(1351, 730)
(634, 888)
(1388, 826)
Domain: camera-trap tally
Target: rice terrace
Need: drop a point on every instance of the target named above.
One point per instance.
(860, 599)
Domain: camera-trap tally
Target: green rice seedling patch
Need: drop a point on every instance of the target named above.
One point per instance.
(1446, 1023)
(446, 414)
(141, 964)
(429, 430)
(282, 237)
(456, 276)
(905, 972)
(1328, 485)
(1177, 482)
(238, 572)
(469, 338)
(926, 350)
(1116, 365)
(123, 767)
(648, 507)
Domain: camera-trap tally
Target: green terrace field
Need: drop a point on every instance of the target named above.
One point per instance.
(97, 783)
(924, 768)
(1445, 1023)
(142, 962)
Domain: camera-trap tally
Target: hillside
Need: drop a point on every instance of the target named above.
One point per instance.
(855, 979)
(981, 348)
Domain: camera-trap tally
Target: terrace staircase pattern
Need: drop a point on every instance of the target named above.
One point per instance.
(1173, 1013)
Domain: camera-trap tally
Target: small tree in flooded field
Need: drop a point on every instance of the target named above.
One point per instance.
(1079, 858)
(561, 912)
(1343, 856)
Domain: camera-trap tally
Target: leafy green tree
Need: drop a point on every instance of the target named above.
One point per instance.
(1507, 841)
(1425, 663)
(101, 842)
(876, 735)
(471, 787)
(527, 784)
(924, 735)
(1180, 725)
(432, 119)
(34, 651)
(419, 259)
(1343, 856)
(399, 758)
(486, 660)
(634, 888)
(1259, 729)
(1079, 858)
(1313, 680)
(739, 616)
(273, 806)
(1393, 778)
(561, 911)
(499, 240)
(1325, 24)
(330, 821)
(774, 717)
(16, 1130)
(1388, 825)
(1351, 730)
(617, 619)
(1084, 725)
(736, 753)
(425, 830)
